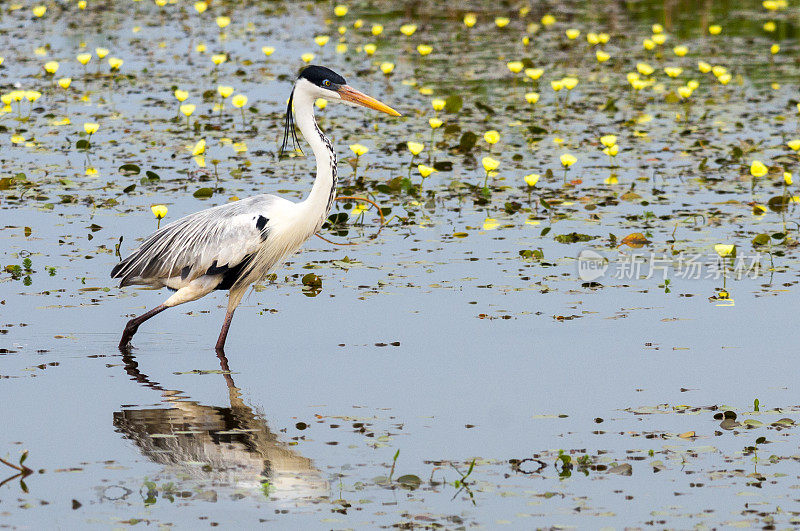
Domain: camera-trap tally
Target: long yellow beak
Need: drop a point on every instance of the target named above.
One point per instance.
(348, 93)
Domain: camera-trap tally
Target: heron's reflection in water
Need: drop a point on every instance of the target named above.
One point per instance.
(218, 446)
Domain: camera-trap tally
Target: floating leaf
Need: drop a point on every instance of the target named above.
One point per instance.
(203, 193)
(636, 240)
(129, 169)
(453, 103)
(574, 237)
(409, 481)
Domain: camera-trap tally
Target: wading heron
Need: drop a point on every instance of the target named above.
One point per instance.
(231, 246)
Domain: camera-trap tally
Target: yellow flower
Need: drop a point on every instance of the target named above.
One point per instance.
(321, 40)
(490, 164)
(101, 52)
(724, 79)
(307, 57)
(199, 148)
(794, 144)
(757, 169)
(342, 30)
(321, 103)
(770, 26)
(648, 44)
(490, 223)
(470, 20)
(341, 48)
(219, 58)
(532, 179)
(32, 95)
(438, 104)
(501, 22)
(515, 66)
(787, 178)
(680, 51)
(415, 148)
(200, 48)
(358, 149)
(358, 23)
(39, 11)
(684, 92)
(534, 73)
(84, 58)
(90, 128)
(693, 84)
(492, 137)
(159, 211)
(659, 39)
(602, 56)
(724, 249)
(573, 33)
(570, 82)
(267, 50)
(223, 21)
(715, 29)
(424, 170)
(187, 108)
(603, 37)
(377, 29)
(225, 90)
(775, 48)
(673, 71)
(115, 63)
(340, 10)
(387, 68)
(17, 139)
(644, 69)
(201, 6)
(181, 95)
(592, 38)
(435, 123)
(611, 151)
(703, 67)
(608, 140)
(408, 29)
(424, 49)
(532, 97)
(239, 101)
(557, 85)
(51, 67)
(369, 49)
(568, 160)
(81, 4)
(657, 28)
(548, 20)
(91, 170)
(64, 82)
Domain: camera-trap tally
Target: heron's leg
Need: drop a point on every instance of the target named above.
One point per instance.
(234, 298)
(223, 335)
(133, 324)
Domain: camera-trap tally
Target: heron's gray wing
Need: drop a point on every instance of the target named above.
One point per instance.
(211, 241)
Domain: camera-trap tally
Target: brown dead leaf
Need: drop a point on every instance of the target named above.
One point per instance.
(635, 240)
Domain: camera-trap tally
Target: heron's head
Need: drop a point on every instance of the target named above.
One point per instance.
(323, 82)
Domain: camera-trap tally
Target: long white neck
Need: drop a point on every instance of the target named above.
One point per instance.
(319, 201)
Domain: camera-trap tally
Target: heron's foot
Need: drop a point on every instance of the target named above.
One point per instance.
(127, 334)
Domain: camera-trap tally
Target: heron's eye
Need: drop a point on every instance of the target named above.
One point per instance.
(326, 83)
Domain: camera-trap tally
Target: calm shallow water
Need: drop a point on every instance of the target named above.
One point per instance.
(435, 338)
